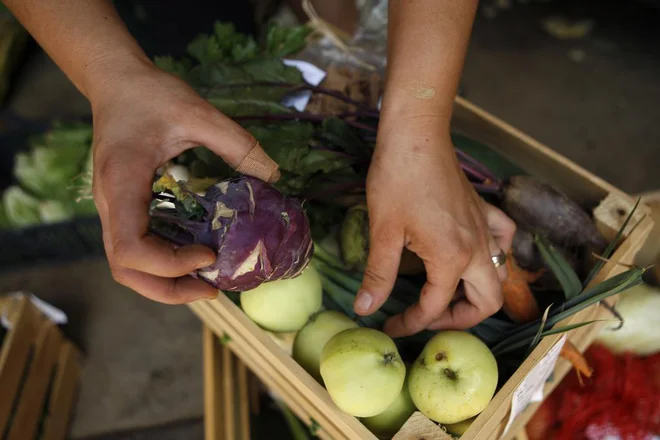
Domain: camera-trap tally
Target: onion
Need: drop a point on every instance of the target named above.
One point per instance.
(639, 306)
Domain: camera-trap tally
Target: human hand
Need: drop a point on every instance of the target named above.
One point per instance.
(418, 197)
(144, 117)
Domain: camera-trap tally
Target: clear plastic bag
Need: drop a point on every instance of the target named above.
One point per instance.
(366, 50)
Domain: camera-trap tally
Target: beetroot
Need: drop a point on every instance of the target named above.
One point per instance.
(259, 234)
(538, 207)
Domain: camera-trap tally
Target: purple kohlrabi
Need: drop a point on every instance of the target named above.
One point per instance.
(259, 234)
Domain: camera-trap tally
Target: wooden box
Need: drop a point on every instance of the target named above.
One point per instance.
(39, 374)
(268, 356)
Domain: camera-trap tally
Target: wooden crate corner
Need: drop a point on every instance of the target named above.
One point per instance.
(39, 374)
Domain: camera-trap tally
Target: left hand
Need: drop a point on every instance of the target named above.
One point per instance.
(418, 197)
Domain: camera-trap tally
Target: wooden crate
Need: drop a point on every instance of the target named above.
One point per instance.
(267, 355)
(39, 375)
(230, 392)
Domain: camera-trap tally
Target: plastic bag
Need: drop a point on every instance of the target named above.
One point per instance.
(366, 50)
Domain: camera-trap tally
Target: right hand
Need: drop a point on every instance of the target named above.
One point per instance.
(144, 117)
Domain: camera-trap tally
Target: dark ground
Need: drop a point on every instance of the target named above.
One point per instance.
(592, 99)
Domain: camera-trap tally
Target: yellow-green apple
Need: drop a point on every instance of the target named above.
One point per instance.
(285, 305)
(459, 428)
(386, 424)
(311, 339)
(362, 371)
(454, 378)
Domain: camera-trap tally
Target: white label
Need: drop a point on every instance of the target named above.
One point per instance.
(50, 311)
(531, 388)
(312, 75)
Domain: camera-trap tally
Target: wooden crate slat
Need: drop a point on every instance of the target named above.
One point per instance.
(263, 375)
(228, 393)
(418, 426)
(15, 355)
(63, 394)
(295, 375)
(310, 391)
(255, 399)
(244, 400)
(31, 405)
(213, 417)
(270, 377)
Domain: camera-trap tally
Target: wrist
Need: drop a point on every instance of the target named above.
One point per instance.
(415, 130)
(102, 73)
(412, 99)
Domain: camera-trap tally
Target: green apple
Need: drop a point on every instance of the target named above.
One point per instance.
(362, 371)
(454, 378)
(311, 339)
(386, 424)
(459, 428)
(285, 305)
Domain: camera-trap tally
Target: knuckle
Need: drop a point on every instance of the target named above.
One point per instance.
(463, 251)
(374, 276)
(122, 251)
(408, 324)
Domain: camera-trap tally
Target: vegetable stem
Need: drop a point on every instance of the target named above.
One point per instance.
(297, 88)
(304, 116)
(476, 165)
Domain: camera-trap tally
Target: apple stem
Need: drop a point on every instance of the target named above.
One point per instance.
(450, 374)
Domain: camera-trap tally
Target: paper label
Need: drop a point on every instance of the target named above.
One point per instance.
(531, 388)
(51, 312)
(312, 75)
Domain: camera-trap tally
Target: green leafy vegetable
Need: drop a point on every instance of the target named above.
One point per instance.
(283, 41)
(537, 337)
(561, 268)
(607, 288)
(54, 160)
(55, 211)
(21, 208)
(541, 335)
(241, 107)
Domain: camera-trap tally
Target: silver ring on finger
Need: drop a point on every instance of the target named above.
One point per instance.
(499, 259)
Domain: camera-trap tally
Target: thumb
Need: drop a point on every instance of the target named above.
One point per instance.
(236, 146)
(380, 273)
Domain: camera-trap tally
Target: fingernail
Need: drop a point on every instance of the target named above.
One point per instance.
(208, 261)
(276, 176)
(363, 302)
(203, 264)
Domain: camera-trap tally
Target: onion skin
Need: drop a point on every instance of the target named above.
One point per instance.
(258, 234)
